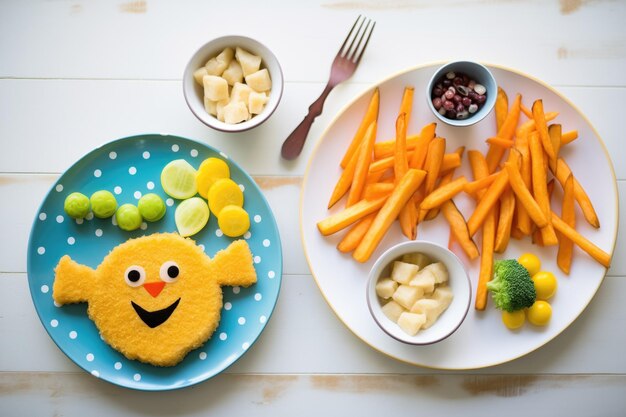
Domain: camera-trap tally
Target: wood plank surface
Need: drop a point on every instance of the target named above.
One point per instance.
(75, 74)
(62, 394)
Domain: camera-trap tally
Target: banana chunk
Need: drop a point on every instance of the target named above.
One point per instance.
(233, 74)
(249, 63)
(240, 93)
(256, 102)
(403, 272)
(235, 112)
(411, 322)
(199, 74)
(393, 310)
(215, 88)
(406, 295)
(386, 287)
(210, 106)
(217, 65)
(260, 80)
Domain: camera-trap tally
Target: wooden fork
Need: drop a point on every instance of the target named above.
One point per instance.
(343, 67)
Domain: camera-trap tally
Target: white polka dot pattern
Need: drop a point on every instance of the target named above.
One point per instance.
(129, 174)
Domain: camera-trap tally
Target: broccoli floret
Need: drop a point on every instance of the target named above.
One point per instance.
(511, 287)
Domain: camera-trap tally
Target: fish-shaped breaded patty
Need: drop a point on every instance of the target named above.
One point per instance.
(157, 297)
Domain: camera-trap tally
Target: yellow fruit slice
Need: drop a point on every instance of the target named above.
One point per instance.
(539, 313)
(514, 320)
(191, 216)
(211, 170)
(224, 192)
(233, 221)
(178, 179)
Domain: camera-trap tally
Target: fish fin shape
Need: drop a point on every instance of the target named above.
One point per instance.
(72, 282)
(233, 266)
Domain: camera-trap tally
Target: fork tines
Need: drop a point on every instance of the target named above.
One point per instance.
(353, 50)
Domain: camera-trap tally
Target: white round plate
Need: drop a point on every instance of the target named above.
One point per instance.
(482, 340)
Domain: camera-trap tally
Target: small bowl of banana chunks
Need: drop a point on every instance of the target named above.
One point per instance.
(233, 83)
(419, 292)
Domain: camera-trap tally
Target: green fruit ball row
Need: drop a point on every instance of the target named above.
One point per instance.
(104, 205)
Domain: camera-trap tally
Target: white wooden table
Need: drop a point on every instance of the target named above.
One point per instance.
(75, 74)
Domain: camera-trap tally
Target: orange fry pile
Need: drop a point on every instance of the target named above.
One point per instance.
(513, 197)
(409, 179)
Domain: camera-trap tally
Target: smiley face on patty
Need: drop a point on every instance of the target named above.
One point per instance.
(157, 297)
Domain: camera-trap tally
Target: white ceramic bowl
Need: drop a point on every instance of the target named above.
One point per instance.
(194, 94)
(475, 71)
(459, 283)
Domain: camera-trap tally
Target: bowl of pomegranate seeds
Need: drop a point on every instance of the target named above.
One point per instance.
(462, 93)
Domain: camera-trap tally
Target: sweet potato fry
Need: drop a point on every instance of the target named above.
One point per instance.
(352, 239)
(554, 131)
(504, 143)
(520, 190)
(569, 137)
(432, 165)
(341, 220)
(527, 112)
(486, 260)
(537, 237)
(542, 128)
(478, 164)
(387, 148)
(377, 190)
(595, 252)
(418, 158)
(370, 115)
(446, 178)
(495, 153)
(443, 194)
(501, 107)
(487, 201)
(374, 177)
(583, 200)
(458, 228)
(550, 188)
(529, 125)
(406, 105)
(523, 222)
(449, 161)
(407, 217)
(540, 190)
(344, 182)
(388, 213)
(362, 164)
(505, 221)
(401, 164)
(473, 187)
(568, 215)
(516, 233)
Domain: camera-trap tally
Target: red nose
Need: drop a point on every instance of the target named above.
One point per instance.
(154, 288)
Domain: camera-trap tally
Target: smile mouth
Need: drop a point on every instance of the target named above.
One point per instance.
(155, 318)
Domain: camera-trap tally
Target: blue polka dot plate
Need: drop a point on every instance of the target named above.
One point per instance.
(129, 168)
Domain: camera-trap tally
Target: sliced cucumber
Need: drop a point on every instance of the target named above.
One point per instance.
(191, 216)
(178, 179)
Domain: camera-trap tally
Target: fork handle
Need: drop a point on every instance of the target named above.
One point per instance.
(295, 141)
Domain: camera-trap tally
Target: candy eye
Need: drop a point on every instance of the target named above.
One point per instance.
(169, 271)
(135, 276)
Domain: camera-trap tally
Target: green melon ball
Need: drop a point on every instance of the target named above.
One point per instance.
(128, 217)
(151, 207)
(103, 204)
(76, 205)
